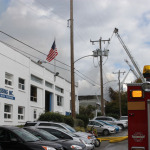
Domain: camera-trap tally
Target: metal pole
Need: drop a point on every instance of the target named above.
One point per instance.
(101, 73)
(72, 62)
(119, 72)
(119, 94)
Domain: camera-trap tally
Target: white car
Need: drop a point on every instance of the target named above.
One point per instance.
(124, 118)
(111, 120)
(101, 127)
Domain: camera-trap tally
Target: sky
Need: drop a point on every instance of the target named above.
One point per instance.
(38, 22)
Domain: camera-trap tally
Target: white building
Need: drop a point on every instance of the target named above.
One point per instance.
(28, 89)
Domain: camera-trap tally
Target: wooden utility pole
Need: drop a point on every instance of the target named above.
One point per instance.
(119, 72)
(72, 62)
(101, 73)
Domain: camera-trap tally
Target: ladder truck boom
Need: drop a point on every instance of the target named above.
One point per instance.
(132, 69)
(130, 56)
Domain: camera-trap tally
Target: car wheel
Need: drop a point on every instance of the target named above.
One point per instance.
(122, 127)
(105, 132)
(97, 143)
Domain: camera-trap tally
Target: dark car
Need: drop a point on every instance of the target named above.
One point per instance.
(14, 138)
(44, 135)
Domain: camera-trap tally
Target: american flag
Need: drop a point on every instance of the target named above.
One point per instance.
(52, 53)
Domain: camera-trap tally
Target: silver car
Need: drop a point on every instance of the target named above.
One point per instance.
(64, 126)
(101, 127)
(64, 134)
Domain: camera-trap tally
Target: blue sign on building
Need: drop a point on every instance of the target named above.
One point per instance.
(6, 94)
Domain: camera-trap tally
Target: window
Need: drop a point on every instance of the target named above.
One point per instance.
(21, 84)
(59, 100)
(59, 89)
(48, 84)
(8, 79)
(33, 94)
(7, 111)
(21, 113)
(35, 114)
(36, 79)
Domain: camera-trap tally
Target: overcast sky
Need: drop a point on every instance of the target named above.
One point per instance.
(38, 22)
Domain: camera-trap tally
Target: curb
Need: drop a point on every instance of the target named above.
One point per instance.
(113, 139)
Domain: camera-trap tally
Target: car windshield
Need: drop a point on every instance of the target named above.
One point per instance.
(114, 119)
(47, 135)
(69, 128)
(68, 132)
(25, 135)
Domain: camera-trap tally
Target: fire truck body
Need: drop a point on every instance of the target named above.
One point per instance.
(138, 110)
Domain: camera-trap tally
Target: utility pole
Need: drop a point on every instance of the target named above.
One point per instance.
(101, 72)
(119, 72)
(72, 62)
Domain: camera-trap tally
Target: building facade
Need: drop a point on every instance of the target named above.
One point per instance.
(28, 89)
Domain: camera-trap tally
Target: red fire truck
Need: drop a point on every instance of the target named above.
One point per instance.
(139, 113)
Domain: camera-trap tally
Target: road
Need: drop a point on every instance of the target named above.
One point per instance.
(123, 145)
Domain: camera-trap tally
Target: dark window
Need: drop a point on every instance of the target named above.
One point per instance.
(30, 124)
(100, 118)
(33, 93)
(58, 133)
(91, 123)
(45, 124)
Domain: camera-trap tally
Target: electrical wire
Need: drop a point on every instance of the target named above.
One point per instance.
(30, 46)
(18, 50)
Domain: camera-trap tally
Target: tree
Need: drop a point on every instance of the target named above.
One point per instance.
(112, 108)
(87, 111)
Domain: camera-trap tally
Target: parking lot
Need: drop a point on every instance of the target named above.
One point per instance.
(123, 145)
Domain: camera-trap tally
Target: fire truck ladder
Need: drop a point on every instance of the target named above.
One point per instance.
(130, 56)
(132, 69)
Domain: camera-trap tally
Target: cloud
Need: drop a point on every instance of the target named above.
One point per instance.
(38, 22)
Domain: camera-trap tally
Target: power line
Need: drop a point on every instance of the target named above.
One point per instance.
(18, 50)
(30, 47)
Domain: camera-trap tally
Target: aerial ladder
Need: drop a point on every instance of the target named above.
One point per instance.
(129, 54)
(132, 69)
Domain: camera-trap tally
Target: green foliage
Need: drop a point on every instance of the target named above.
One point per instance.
(114, 115)
(112, 108)
(78, 122)
(84, 118)
(87, 111)
(99, 114)
(78, 128)
(69, 120)
(51, 116)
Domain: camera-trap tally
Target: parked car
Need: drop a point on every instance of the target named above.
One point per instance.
(117, 128)
(14, 138)
(101, 127)
(111, 120)
(44, 135)
(65, 127)
(124, 118)
(64, 134)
